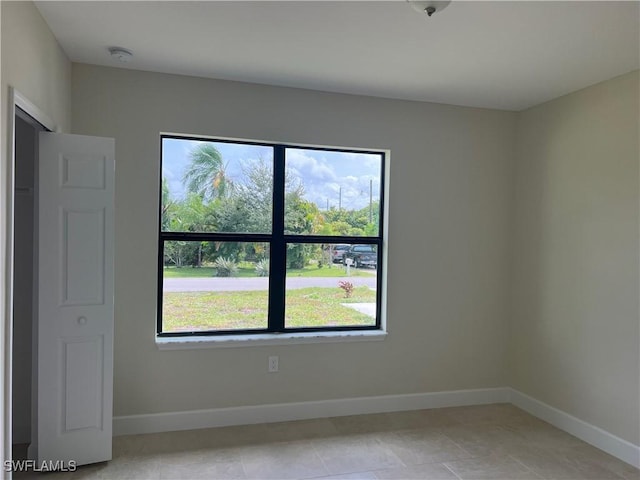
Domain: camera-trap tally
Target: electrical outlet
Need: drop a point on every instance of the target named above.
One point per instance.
(273, 364)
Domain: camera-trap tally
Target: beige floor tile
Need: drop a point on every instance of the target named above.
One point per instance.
(591, 455)
(371, 460)
(484, 439)
(350, 476)
(346, 444)
(494, 467)
(142, 468)
(591, 463)
(353, 424)
(203, 470)
(417, 419)
(156, 443)
(477, 413)
(494, 413)
(355, 453)
(427, 471)
(207, 454)
(300, 430)
(543, 435)
(128, 445)
(243, 435)
(554, 464)
(282, 461)
(515, 416)
(423, 446)
(87, 472)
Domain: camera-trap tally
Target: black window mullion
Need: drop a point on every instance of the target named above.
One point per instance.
(297, 238)
(160, 283)
(216, 237)
(278, 258)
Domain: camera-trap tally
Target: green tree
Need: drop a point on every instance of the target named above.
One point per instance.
(167, 206)
(351, 222)
(248, 208)
(300, 216)
(206, 174)
(187, 215)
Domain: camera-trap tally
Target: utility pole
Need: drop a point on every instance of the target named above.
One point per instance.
(327, 204)
(340, 199)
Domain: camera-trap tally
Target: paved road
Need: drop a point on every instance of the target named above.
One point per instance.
(215, 284)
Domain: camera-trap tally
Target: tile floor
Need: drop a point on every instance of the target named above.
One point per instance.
(498, 442)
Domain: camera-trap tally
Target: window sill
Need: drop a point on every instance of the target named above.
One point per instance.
(187, 343)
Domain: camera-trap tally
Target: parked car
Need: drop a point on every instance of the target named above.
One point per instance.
(361, 256)
(337, 252)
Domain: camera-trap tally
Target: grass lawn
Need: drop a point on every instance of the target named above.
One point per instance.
(311, 271)
(306, 307)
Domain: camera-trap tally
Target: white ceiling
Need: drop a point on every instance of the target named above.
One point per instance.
(506, 55)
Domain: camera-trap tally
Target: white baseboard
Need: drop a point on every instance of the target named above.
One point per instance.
(282, 412)
(616, 446)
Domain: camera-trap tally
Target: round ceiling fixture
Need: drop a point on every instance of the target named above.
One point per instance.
(121, 54)
(429, 7)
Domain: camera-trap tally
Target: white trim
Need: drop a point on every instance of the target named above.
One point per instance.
(282, 412)
(596, 436)
(32, 110)
(227, 341)
(8, 274)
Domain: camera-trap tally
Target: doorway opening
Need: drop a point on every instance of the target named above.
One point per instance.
(24, 298)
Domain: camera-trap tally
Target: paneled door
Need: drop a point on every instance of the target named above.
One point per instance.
(75, 299)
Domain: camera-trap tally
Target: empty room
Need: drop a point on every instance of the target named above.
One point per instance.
(320, 239)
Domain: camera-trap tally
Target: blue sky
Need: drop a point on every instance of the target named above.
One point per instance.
(324, 174)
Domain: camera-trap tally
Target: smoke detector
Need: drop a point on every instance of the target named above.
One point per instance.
(429, 7)
(121, 54)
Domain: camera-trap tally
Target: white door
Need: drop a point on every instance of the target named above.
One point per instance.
(75, 292)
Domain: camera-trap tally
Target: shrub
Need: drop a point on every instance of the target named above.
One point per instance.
(225, 267)
(347, 287)
(262, 268)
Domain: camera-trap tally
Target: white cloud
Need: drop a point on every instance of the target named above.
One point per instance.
(308, 167)
(332, 177)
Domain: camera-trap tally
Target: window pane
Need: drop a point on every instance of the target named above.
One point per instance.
(321, 291)
(332, 193)
(216, 186)
(215, 286)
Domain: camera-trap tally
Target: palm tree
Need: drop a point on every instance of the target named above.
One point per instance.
(206, 173)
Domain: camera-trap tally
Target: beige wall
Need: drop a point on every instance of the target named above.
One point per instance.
(35, 65)
(450, 180)
(574, 339)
